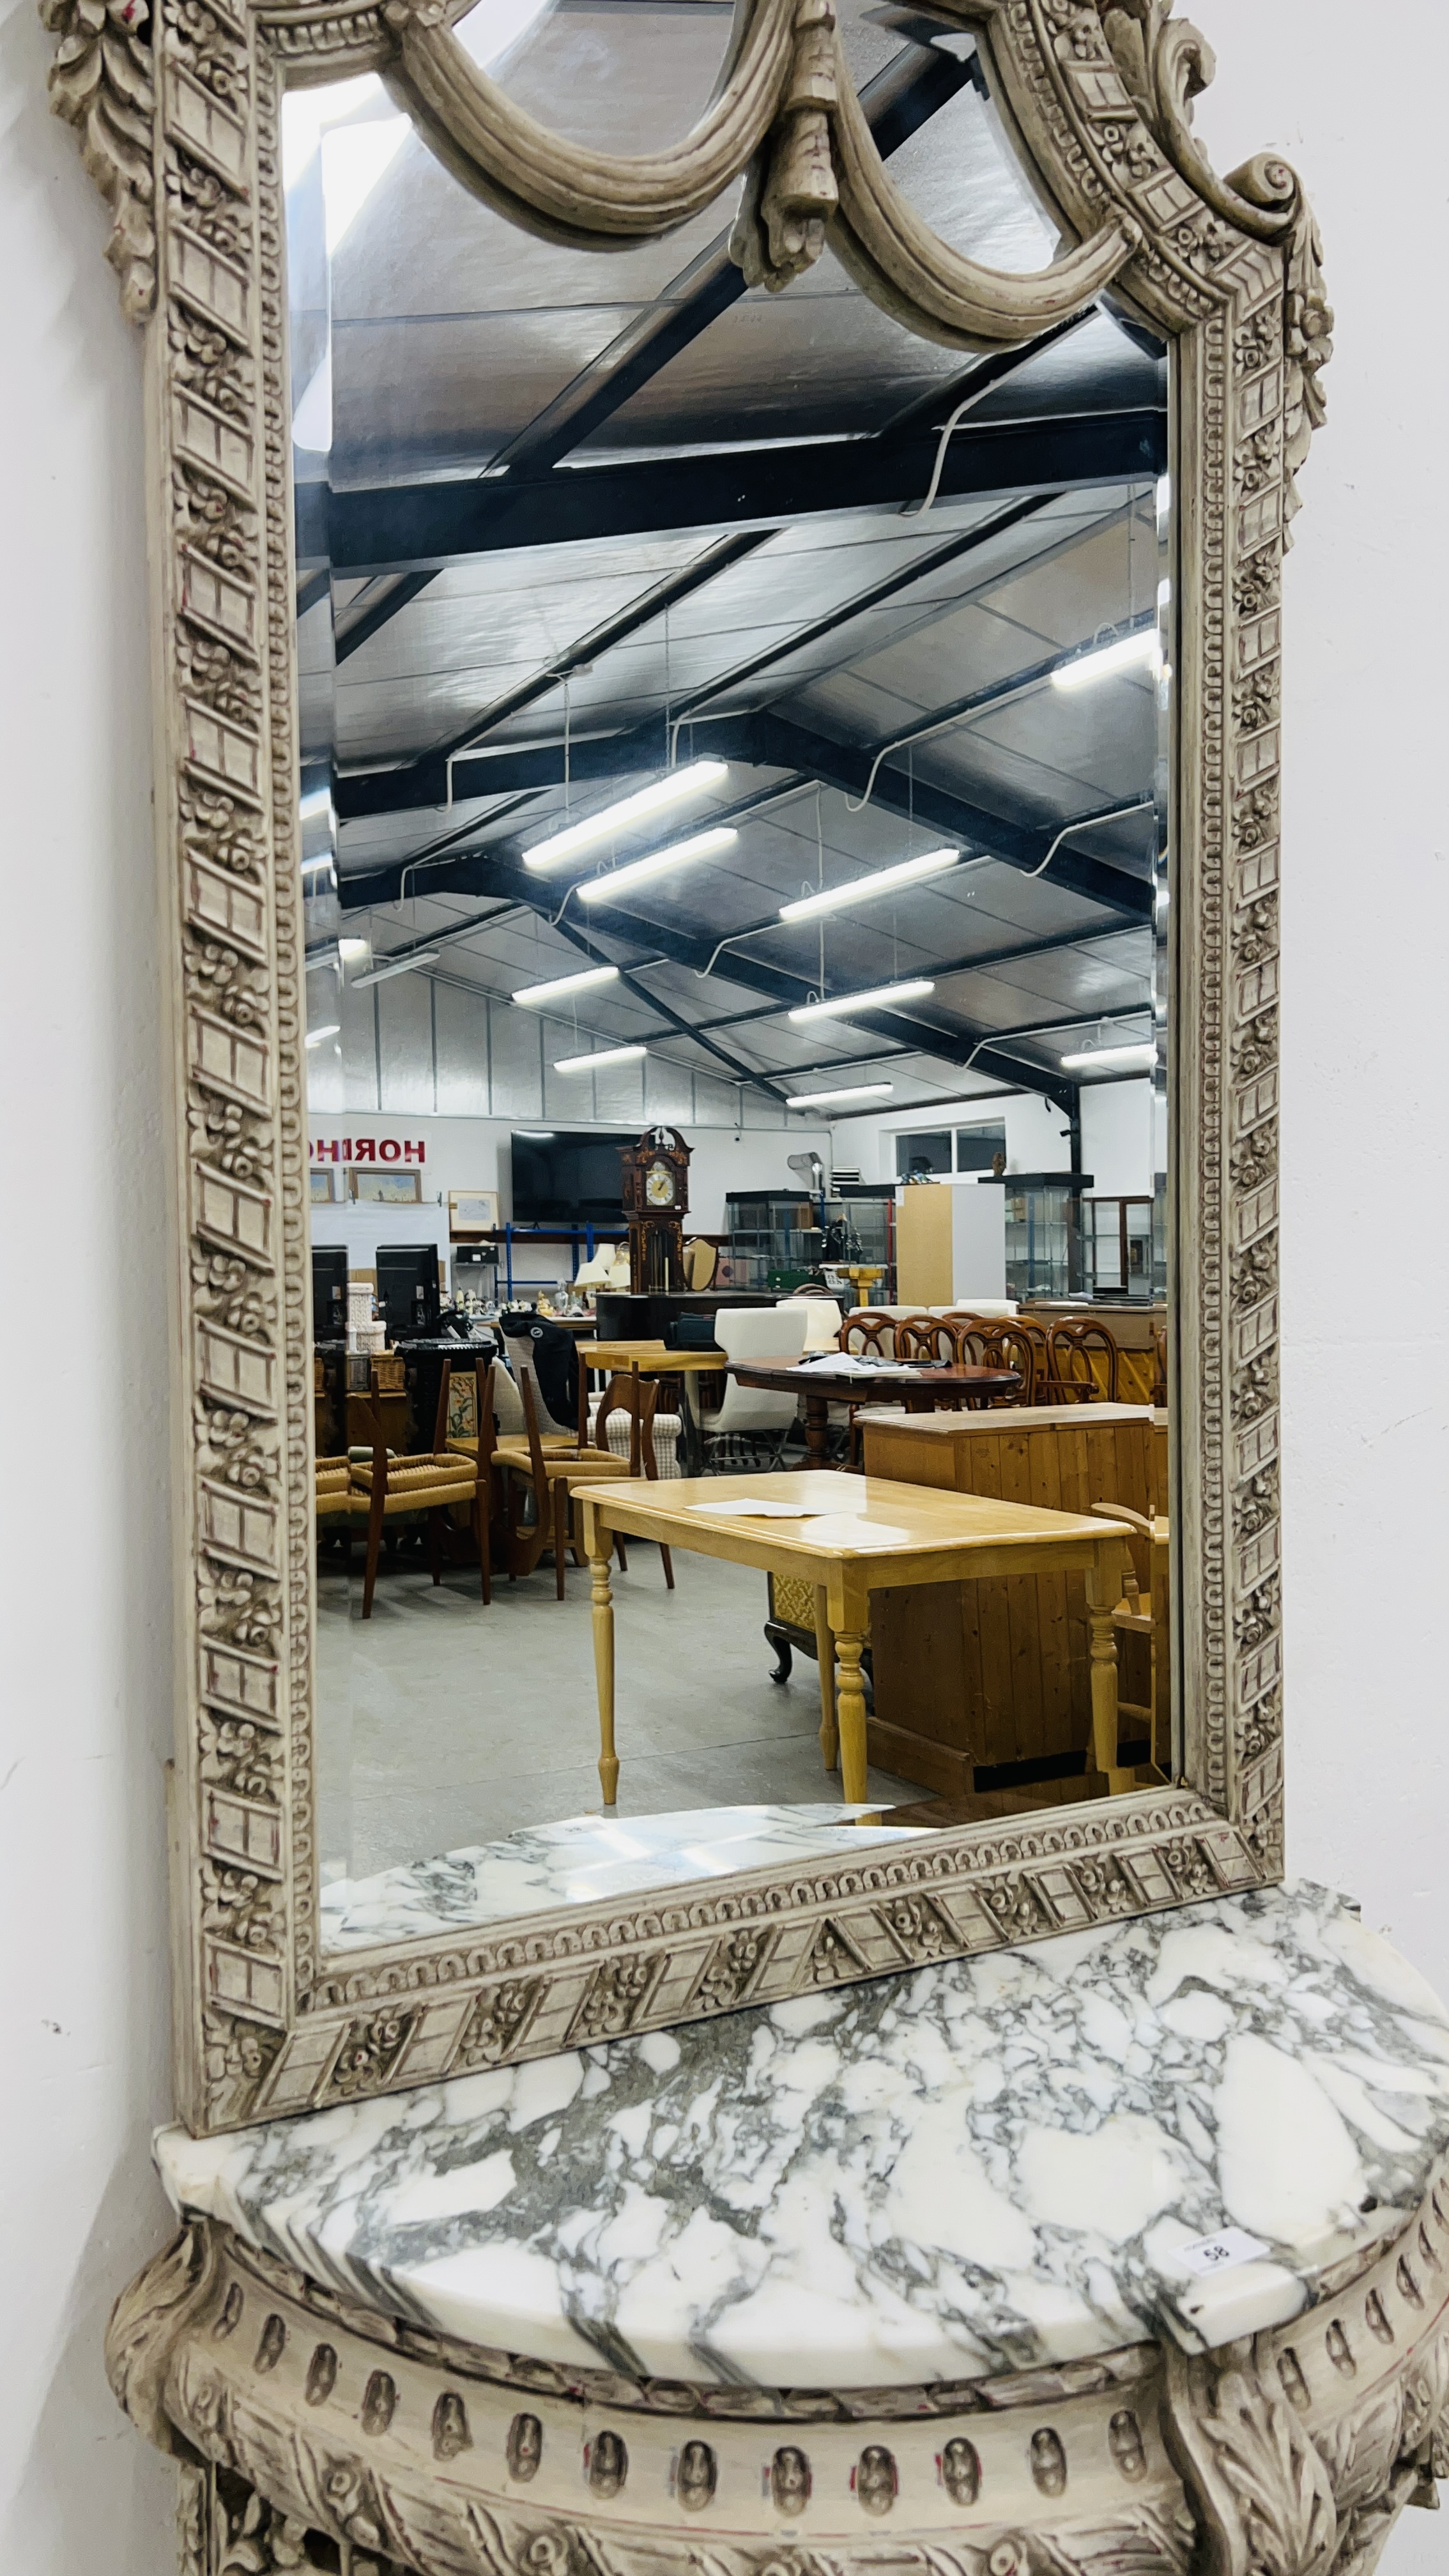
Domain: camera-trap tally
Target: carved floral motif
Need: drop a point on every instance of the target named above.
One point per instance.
(179, 135)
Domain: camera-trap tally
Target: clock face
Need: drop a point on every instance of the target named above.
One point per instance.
(659, 1186)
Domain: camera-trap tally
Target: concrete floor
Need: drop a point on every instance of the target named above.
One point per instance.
(442, 1724)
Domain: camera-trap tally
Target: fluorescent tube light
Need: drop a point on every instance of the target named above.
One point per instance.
(604, 1055)
(628, 813)
(865, 889)
(399, 966)
(859, 1091)
(1118, 1059)
(1128, 650)
(531, 995)
(602, 889)
(879, 997)
(316, 1036)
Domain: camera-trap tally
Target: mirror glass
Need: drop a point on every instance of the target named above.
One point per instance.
(735, 828)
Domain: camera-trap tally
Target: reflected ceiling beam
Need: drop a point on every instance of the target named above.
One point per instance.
(941, 969)
(957, 394)
(762, 741)
(863, 1056)
(897, 103)
(408, 527)
(754, 1076)
(641, 611)
(860, 601)
(378, 603)
(836, 764)
(488, 874)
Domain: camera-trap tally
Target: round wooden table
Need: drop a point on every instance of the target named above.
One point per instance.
(919, 1389)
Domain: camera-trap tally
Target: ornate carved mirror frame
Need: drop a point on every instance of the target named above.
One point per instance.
(177, 116)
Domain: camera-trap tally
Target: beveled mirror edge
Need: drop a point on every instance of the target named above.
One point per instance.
(180, 136)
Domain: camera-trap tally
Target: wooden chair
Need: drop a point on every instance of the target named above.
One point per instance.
(1023, 1341)
(924, 1338)
(969, 1341)
(869, 1333)
(1005, 1347)
(639, 1400)
(1144, 1614)
(1081, 1364)
(524, 1468)
(1159, 1371)
(335, 1498)
(391, 1486)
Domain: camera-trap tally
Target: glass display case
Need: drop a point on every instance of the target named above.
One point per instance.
(1044, 1233)
(1117, 1244)
(782, 1240)
(775, 1239)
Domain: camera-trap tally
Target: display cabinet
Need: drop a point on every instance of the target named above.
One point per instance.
(1117, 1247)
(1044, 1233)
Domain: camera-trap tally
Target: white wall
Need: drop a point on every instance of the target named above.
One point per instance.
(84, 1592)
(1117, 1138)
(473, 1154)
(82, 1554)
(1366, 939)
(1036, 1133)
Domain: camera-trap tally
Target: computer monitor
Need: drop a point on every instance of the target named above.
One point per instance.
(329, 1292)
(407, 1288)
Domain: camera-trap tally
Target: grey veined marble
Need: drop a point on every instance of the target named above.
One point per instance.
(584, 1858)
(976, 2167)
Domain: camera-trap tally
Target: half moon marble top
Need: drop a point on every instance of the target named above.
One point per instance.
(971, 2168)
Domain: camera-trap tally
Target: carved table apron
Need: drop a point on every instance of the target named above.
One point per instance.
(650, 2246)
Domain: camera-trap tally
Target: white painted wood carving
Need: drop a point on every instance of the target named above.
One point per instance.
(177, 117)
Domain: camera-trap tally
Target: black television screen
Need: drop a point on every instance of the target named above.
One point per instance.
(570, 1176)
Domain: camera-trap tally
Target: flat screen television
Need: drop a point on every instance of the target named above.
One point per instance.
(568, 1176)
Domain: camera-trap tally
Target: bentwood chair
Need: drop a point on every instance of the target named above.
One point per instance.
(923, 1339)
(1081, 1364)
(1022, 1343)
(391, 1487)
(870, 1333)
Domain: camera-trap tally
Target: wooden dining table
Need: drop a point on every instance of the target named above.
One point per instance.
(848, 1536)
(921, 1389)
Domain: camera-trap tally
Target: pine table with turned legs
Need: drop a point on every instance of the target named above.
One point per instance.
(856, 1535)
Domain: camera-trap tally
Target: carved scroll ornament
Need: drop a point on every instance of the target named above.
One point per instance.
(177, 117)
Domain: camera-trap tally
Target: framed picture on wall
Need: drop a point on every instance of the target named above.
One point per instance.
(472, 1211)
(386, 1189)
(327, 1185)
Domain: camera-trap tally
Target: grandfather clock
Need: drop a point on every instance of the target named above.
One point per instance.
(656, 1195)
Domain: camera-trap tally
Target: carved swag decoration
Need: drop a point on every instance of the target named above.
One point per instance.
(177, 116)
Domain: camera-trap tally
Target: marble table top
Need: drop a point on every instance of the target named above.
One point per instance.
(975, 2167)
(583, 1858)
